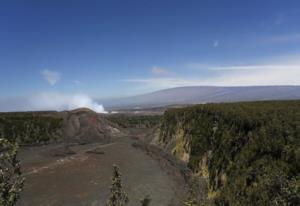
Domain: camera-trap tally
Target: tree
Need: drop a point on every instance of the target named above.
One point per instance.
(145, 201)
(11, 182)
(118, 197)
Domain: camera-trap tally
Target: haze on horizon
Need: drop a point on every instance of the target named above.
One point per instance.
(53, 52)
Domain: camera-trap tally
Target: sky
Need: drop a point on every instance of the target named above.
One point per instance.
(114, 48)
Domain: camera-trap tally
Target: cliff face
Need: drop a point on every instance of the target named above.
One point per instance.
(249, 152)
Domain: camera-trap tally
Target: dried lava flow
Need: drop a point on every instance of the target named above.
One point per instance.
(67, 174)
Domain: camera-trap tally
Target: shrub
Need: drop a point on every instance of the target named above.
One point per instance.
(11, 182)
(118, 197)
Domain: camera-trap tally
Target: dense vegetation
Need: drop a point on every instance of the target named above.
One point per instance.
(118, 196)
(30, 127)
(11, 182)
(134, 121)
(249, 152)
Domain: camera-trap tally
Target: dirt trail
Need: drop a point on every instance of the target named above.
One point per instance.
(84, 178)
(69, 158)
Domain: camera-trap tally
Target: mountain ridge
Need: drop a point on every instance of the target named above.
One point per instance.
(206, 94)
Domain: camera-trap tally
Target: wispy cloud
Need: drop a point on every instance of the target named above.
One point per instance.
(285, 72)
(158, 70)
(52, 77)
(160, 83)
(216, 43)
(231, 76)
(256, 67)
(77, 82)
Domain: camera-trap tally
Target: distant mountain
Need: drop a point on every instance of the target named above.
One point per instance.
(205, 94)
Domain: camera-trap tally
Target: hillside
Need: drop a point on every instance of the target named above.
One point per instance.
(80, 125)
(205, 94)
(248, 152)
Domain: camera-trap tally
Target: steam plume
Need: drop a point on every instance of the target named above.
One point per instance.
(58, 101)
(49, 101)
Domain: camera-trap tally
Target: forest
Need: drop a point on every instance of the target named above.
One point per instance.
(249, 152)
(30, 127)
(134, 121)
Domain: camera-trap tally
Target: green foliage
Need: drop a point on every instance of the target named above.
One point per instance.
(252, 149)
(30, 127)
(196, 195)
(118, 197)
(134, 121)
(11, 182)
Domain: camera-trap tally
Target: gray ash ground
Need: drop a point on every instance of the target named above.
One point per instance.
(73, 174)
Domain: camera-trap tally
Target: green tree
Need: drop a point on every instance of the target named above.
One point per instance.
(11, 182)
(118, 197)
(145, 201)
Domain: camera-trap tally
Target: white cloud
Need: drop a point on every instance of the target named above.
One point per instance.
(216, 43)
(50, 101)
(52, 77)
(258, 75)
(77, 82)
(255, 67)
(283, 71)
(160, 83)
(158, 70)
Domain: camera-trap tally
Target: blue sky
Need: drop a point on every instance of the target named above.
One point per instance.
(110, 48)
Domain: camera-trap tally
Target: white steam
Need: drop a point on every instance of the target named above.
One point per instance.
(59, 102)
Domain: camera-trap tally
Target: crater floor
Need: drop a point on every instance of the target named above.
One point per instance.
(68, 175)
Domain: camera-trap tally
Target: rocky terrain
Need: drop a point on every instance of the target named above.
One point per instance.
(76, 167)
